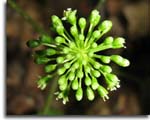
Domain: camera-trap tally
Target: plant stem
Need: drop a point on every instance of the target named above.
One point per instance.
(19, 10)
(50, 96)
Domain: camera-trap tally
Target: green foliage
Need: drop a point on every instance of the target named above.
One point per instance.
(75, 56)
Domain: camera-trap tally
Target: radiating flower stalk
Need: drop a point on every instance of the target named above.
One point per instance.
(73, 55)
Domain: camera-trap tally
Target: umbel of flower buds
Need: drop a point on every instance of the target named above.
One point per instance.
(72, 54)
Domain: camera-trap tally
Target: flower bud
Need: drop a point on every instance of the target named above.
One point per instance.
(67, 65)
(90, 94)
(71, 76)
(59, 39)
(66, 50)
(120, 60)
(81, 37)
(94, 83)
(75, 65)
(61, 70)
(42, 82)
(94, 45)
(45, 39)
(82, 23)
(72, 17)
(118, 42)
(60, 30)
(50, 52)
(96, 34)
(105, 59)
(60, 59)
(80, 73)
(88, 81)
(33, 43)
(56, 21)
(49, 68)
(87, 69)
(105, 26)
(96, 73)
(112, 77)
(75, 84)
(63, 86)
(62, 80)
(96, 65)
(108, 40)
(106, 68)
(103, 92)
(125, 63)
(74, 31)
(41, 60)
(94, 17)
(79, 94)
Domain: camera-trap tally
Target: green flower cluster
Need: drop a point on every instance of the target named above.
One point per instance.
(74, 56)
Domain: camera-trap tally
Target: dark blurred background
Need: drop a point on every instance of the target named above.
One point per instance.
(130, 19)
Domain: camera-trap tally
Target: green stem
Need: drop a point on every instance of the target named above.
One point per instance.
(19, 10)
(49, 99)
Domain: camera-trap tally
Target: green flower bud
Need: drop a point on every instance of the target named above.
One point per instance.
(79, 94)
(62, 80)
(96, 65)
(116, 58)
(72, 45)
(112, 82)
(60, 59)
(112, 77)
(118, 42)
(120, 60)
(87, 69)
(75, 84)
(33, 43)
(71, 76)
(103, 92)
(82, 23)
(94, 45)
(66, 50)
(63, 86)
(96, 73)
(74, 31)
(90, 94)
(42, 60)
(105, 26)
(125, 63)
(105, 59)
(61, 70)
(94, 83)
(59, 39)
(75, 65)
(50, 52)
(108, 40)
(96, 34)
(60, 30)
(67, 65)
(80, 74)
(88, 81)
(45, 39)
(106, 68)
(49, 68)
(72, 17)
(42, 82)
(94, 17)
(56, 21)
(81, 37)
